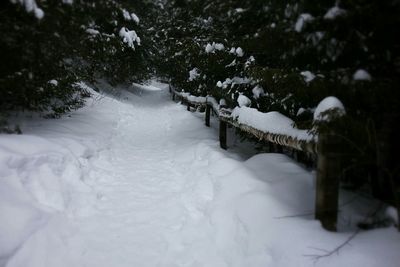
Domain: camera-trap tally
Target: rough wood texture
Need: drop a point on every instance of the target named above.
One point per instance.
(208, 113)
(328, 176)
(222, 134)
(283, 140)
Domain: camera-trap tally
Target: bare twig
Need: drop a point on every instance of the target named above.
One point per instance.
(316, 257)
(336, 250)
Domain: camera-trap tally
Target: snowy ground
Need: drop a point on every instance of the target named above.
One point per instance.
(138, 181)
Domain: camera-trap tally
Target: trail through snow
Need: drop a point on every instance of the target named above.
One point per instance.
(147, 190)
(137, 181)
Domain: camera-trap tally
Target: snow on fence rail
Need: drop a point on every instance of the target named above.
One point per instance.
(297, 139)
(278, 129)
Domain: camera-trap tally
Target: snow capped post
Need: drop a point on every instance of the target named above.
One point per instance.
(330, 149)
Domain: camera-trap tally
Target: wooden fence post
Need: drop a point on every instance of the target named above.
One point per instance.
(222, 134)
(208, 112)
(188, 105)
(222, 127)
(328, 175)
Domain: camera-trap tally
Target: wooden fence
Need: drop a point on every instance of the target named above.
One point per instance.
(326, 149)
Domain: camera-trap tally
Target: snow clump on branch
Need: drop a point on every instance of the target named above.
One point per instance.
(194, 74)
(130, 16)
(334, 12)
(129, 37)
(243, 101)
(210, 48)
(30, 7)
(362, 75)
(302, 21)
(308, 76)
(233, 81)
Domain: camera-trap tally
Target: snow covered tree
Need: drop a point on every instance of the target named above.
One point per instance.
(296, 53)
(48, 46)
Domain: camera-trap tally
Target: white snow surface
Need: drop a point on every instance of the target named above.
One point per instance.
(135, 180)
(328, 103)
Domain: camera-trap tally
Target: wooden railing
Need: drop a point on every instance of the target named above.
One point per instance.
(324, 147)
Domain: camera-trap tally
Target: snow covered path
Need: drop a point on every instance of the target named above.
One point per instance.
(137, 181)
(146, 189)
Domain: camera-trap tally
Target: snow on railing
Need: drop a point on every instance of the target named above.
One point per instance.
(275, 128)
(272, 126)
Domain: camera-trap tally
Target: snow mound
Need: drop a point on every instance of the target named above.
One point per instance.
(362, 75)
(328, 103)
(39, 178)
